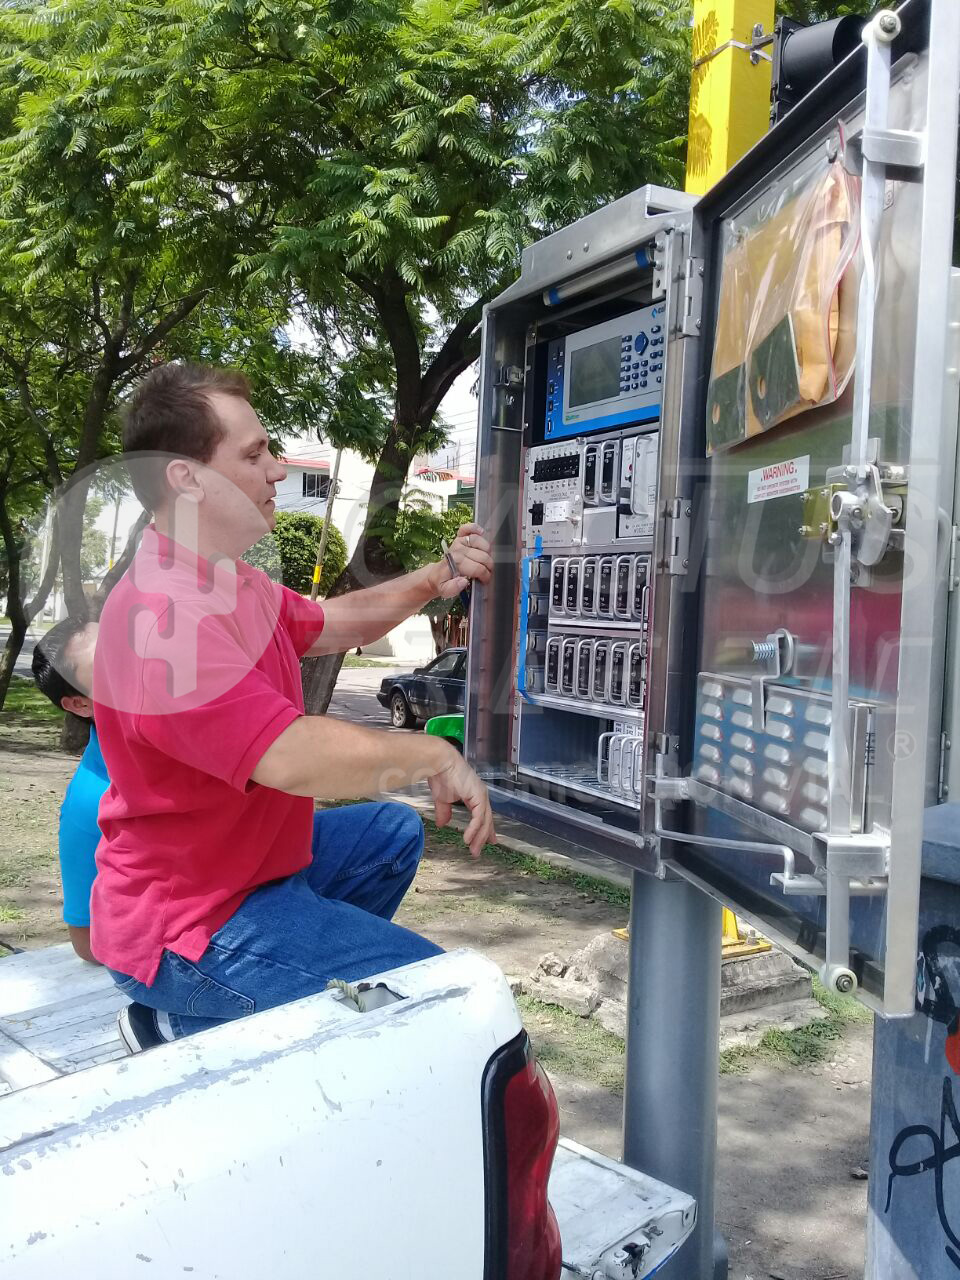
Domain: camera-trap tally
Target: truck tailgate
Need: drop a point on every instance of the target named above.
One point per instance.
(263, 1148)
(613, 1218)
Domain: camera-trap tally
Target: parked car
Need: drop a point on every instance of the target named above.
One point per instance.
(437, 689)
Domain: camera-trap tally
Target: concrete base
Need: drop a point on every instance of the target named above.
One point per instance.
(750, 982)
(757, 992)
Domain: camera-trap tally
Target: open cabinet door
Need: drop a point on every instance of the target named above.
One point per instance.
(827, 407)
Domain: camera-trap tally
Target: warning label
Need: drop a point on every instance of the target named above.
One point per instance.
(778, 479)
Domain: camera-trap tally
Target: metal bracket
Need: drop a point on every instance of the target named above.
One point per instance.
(894, 148)
(861, 856)
(692, 301)
(803, 886)
(669, 789)
(509, 375)
(758, 42)
(861, 508)
(847, 857)
(666, 790)
(777, 651)
(677, 521)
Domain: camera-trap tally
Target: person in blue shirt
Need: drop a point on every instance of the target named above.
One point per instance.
(63, 670)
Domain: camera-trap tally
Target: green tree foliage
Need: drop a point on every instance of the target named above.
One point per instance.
(820, 10)
(289, 554)
(406, 153)
(112, 261)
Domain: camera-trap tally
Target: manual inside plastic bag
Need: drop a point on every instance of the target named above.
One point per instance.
(786, 318)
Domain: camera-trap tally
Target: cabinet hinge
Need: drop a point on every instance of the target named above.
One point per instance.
(952, 580)
(943, 787)
(677, 522)
(692, 302)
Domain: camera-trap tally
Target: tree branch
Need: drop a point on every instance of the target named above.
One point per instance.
(437, 379)
(444, 379)
(45, 586)
(161, 329)
(97, 311)
(119, 335)
(391, 304)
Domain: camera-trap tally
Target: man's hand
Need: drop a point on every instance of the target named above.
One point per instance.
(457, 781)
(470, 552)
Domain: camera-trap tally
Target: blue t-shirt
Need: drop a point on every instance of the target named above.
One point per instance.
(79, 833)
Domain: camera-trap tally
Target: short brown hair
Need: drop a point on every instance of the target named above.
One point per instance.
(170, 413)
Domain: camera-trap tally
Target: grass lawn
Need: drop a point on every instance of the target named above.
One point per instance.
(25, 702)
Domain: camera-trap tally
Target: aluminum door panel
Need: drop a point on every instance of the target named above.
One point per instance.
(766, 568)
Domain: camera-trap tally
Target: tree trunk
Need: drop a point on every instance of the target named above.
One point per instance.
(11, 651)
(417, 400)
(319, 677)
(20, 613)
(75, 734)
(370, 563)
(438, 628)
(71, 503)
(373, 561)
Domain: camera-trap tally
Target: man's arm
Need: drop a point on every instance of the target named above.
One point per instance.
(360, 617)
(335, 760)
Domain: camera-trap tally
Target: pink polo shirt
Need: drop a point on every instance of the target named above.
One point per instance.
(196, 673)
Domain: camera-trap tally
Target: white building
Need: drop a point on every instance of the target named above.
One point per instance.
(436, 479)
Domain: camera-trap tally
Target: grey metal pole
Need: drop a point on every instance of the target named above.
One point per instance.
(673, 1028)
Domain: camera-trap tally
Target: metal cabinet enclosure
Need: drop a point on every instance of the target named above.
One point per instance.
(717, 451)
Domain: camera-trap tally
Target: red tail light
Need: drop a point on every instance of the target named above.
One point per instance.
(522, 1124)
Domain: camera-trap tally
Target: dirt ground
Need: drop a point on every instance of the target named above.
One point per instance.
(790, 1136)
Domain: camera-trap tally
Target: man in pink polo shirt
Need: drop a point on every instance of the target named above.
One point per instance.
(220, 891)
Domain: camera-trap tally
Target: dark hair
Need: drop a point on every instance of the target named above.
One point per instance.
(52, 671)
(170, 413)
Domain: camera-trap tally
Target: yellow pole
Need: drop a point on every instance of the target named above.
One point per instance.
(729, 94)
(729, 112)
(325, 533)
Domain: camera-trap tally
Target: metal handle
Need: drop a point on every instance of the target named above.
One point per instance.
(604, 781)
(628, 752)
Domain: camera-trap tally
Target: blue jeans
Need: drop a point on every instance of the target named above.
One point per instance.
(290, 937)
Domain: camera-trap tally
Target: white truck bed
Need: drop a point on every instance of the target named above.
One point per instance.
(57, 1015)
(190, 1151)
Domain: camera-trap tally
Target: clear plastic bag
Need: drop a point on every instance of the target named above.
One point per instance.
(786, 318)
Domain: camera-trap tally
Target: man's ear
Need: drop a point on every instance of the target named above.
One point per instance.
(182, 479)
(79, 704)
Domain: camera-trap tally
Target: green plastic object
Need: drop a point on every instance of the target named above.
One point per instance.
(446, 727)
